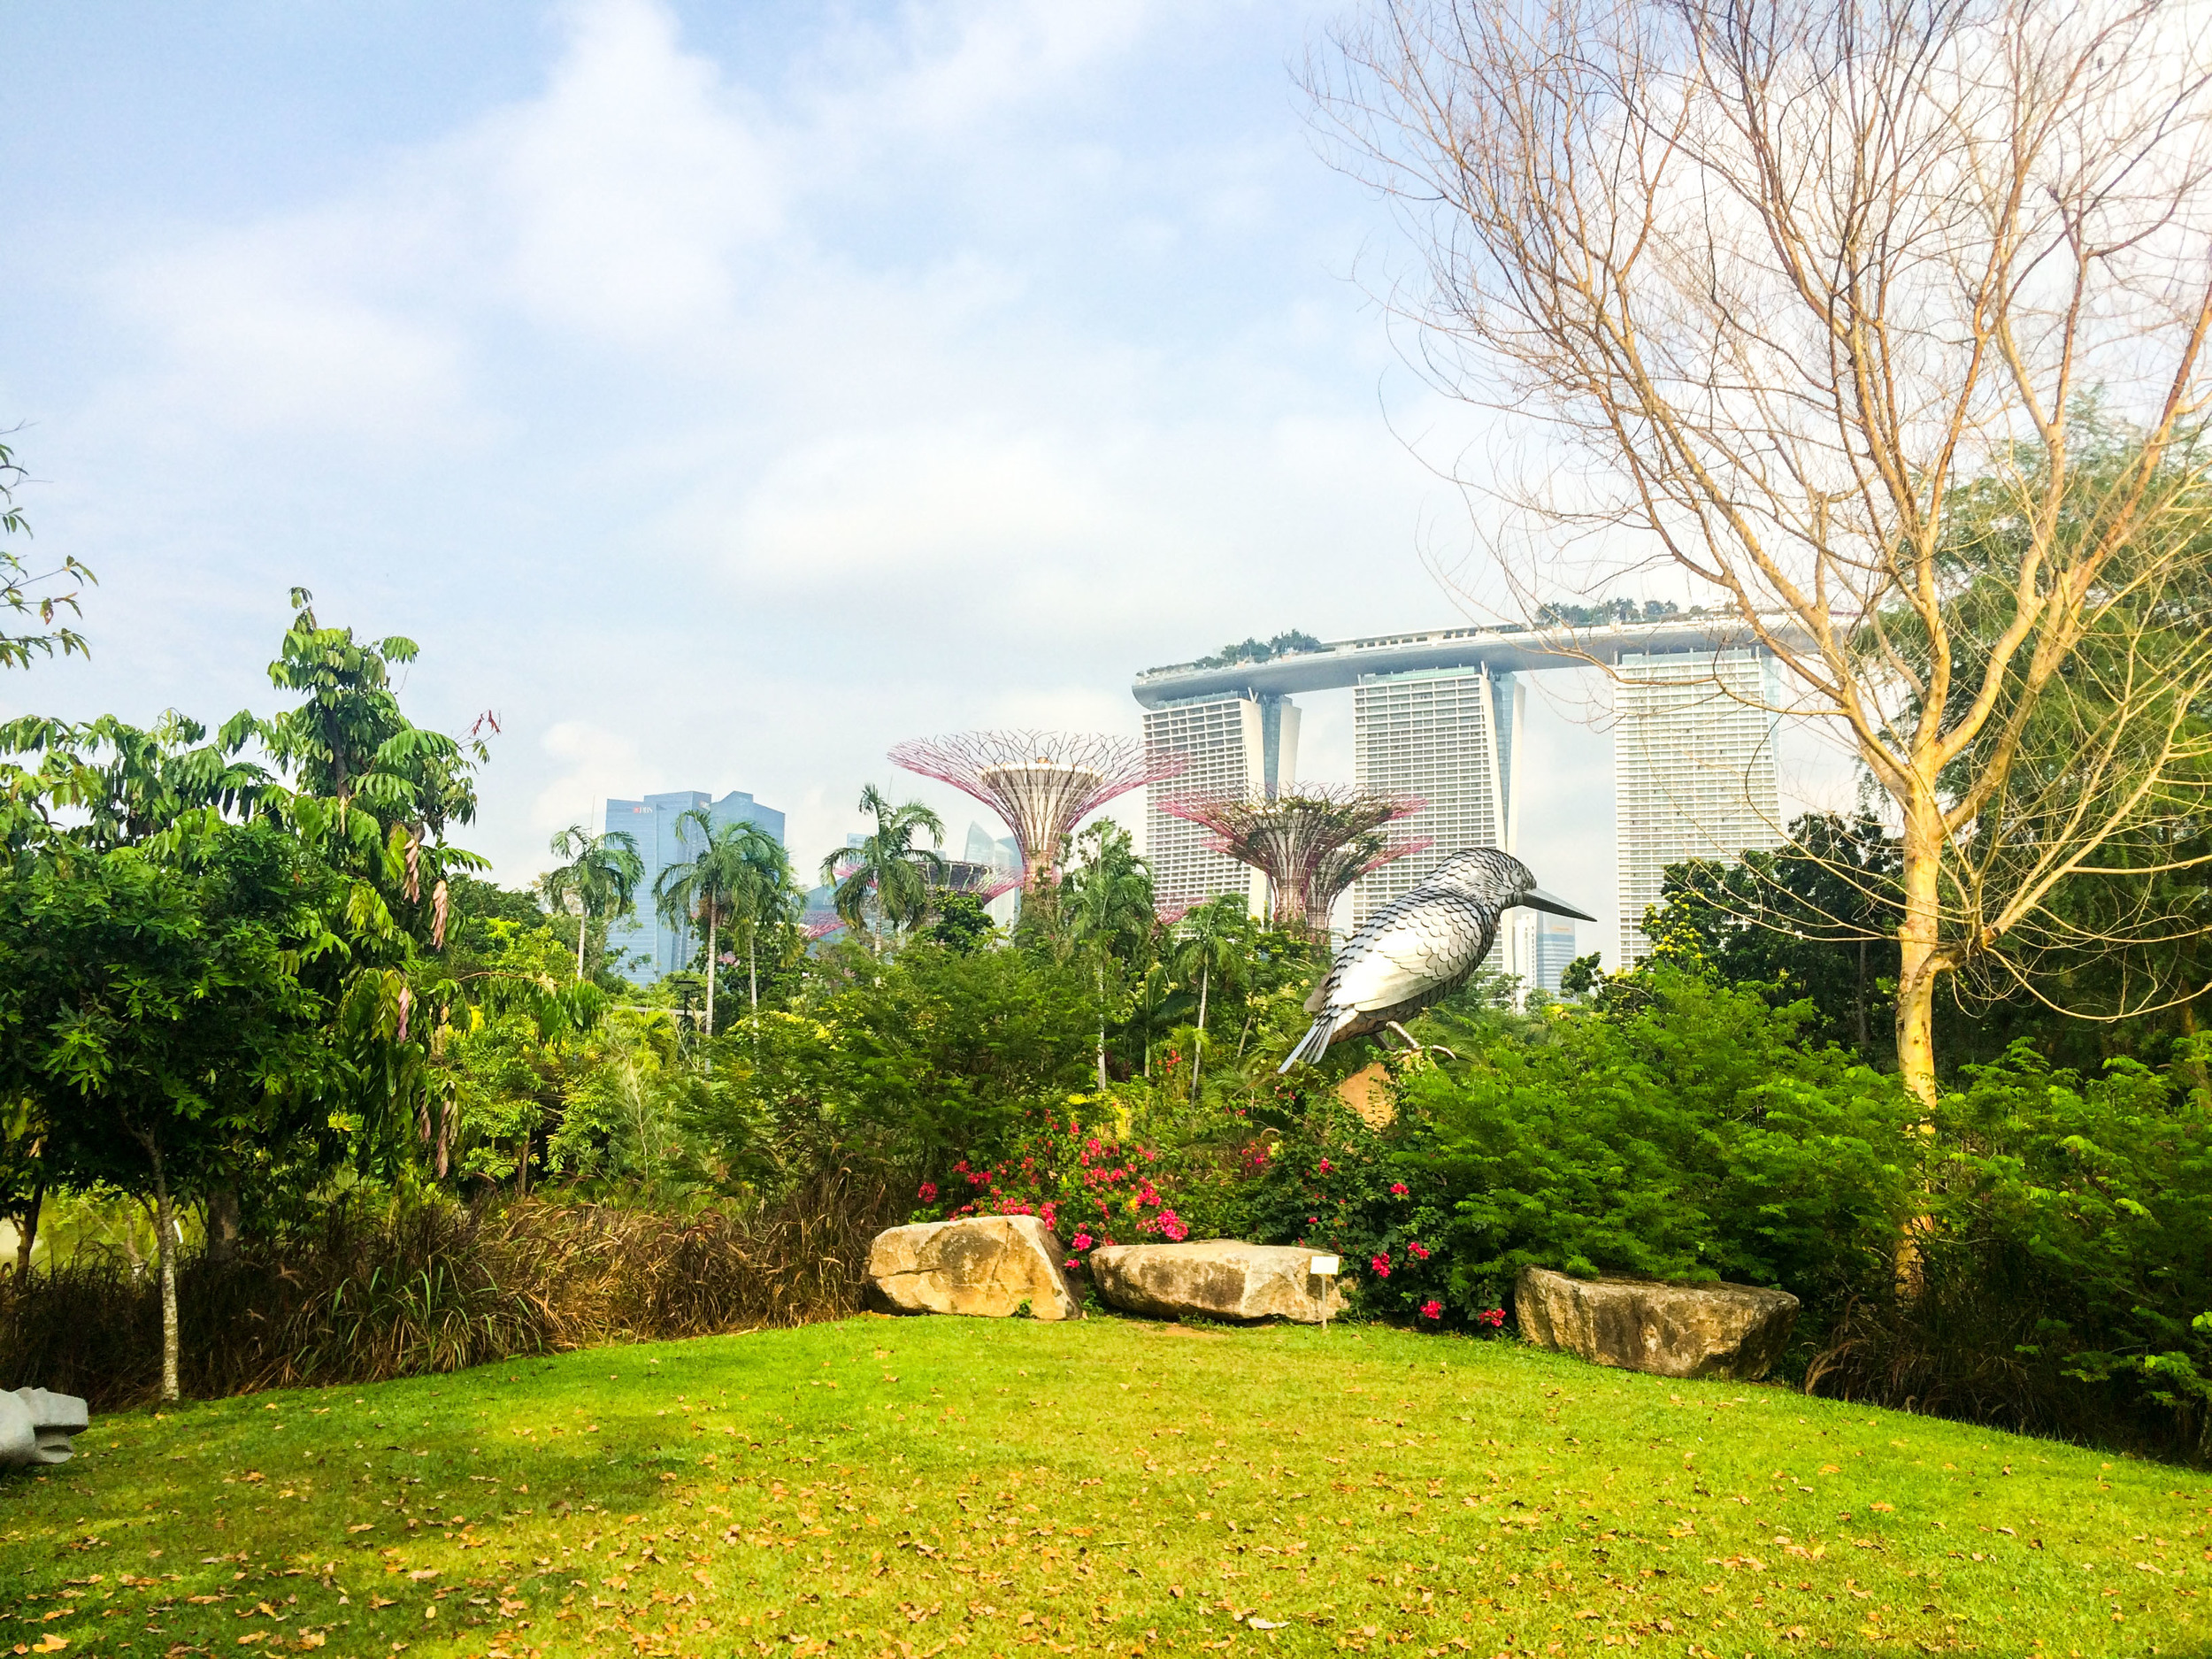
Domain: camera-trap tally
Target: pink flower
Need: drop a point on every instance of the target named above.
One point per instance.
(1397, 1190)
(1432, 1308)
(1325, 1167)
(1172, 1225)
(1381, 1265)
(1419, 1249)
(1493, 1317)
(1082, 1241)
(928, 1194)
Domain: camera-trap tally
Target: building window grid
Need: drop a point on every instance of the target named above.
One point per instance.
(1430, 737)
(1694, 771)
(1185, 869)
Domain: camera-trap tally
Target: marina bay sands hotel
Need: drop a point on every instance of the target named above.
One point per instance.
(1438, 715)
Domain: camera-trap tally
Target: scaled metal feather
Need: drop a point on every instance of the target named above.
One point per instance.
(1419, 947)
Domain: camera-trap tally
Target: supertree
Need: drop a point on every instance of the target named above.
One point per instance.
(1311, 842)
(1042, 784)
(1357, 857)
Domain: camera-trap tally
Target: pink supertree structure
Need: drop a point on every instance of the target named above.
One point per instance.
(1311, 841)
(1042, 784)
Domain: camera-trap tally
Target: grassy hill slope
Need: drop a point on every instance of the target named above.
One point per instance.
(928, 1486)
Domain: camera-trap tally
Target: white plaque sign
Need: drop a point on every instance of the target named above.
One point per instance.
(1324, 1267)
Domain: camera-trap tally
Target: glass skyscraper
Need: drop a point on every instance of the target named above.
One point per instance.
(666, 947)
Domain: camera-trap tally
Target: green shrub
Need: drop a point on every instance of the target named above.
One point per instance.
(1691, 1136)
(2062, 1269)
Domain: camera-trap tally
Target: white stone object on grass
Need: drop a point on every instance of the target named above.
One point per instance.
(1731, 1330)
(985, 1265)
(1213, 1279)
(36, 1426)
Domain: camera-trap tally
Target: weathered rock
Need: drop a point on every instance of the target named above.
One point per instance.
(987, 1265)
(36, 1426)
(1733, 1330)
(1212, 1278)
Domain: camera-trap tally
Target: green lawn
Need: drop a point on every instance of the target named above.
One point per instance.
(923, 1485)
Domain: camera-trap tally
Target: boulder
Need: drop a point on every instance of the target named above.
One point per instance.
(1212, 1278)
(1731, 1330)
(987, 1265)
(36, 1426)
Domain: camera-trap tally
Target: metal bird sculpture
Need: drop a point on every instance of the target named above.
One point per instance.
(1419, 947)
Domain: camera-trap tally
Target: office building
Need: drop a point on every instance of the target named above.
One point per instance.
(1693, 769)
(1452, 737)
(1240, 746)
(1551, 948)
(644, 945)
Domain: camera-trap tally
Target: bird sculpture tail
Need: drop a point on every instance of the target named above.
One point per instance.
(1315, 1043)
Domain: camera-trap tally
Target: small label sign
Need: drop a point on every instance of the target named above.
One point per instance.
(1324, 1267)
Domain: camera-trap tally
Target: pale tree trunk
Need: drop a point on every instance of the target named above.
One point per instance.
(223, 1227)
(583, 925)
(1198, 1058)
(1920, 960)
(166, 1252)
(752, 983)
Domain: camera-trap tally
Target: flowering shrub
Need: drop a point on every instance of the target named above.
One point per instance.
(1432, 1308)
(1086, 1188)
(928, 1193)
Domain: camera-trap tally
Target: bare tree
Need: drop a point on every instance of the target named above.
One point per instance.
(1779, 280)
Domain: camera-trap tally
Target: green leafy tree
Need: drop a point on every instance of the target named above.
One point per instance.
(1107, 908)
(1212, 942)
(28, 594)
(602, 874)
(962, 922)
(157, 1018)
(891, 869)
(734, 875)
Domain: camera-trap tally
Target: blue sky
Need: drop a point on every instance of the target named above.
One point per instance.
(720, 394)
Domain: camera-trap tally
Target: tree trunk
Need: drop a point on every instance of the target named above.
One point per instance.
(1198, 1057)
(28, 1237)
(752, 982)
(165, 1251)
(1865, 1036)
(1919, 953)
(583, 925)
(1102, 1024)
(222, 1224)
(711, 919)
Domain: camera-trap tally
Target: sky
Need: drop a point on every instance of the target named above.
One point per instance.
(718, 395)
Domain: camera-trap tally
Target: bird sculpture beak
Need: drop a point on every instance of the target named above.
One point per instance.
(1536, 899)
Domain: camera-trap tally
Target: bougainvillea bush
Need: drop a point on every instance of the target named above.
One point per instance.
(1087, 1184)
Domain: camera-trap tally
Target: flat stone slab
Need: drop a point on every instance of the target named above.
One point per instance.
(1212, 1278)
(36, 1426)
(1731, 1330)
(983, 1266)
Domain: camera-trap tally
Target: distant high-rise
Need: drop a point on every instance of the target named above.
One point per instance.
(1552, 948)
(653, 824)
(1693, 769)
(1240, 746)
(1452, 737)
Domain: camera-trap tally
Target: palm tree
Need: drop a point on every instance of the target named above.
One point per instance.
(1111, 894)
(887, 864)
(764, 896)
(715, 885)
(602, 875)
(1212, 942)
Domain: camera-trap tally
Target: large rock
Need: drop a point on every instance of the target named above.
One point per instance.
(1733, 1330)
(36, 1426)
(987, 1266)
(1212, 1278)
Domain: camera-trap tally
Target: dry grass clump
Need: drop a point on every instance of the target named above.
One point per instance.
(402, 1289)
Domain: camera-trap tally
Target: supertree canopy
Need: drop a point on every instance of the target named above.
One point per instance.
(1311, 842)
(1042, 783)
